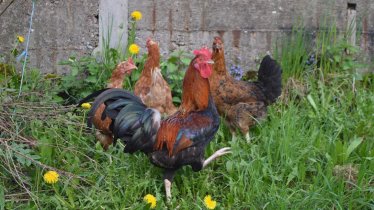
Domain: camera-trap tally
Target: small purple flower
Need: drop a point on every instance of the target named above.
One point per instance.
(311, 60)
(236, 71)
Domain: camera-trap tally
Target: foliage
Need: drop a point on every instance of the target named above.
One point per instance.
(173, 70)
(86, 76)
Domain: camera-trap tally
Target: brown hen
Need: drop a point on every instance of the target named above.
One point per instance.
(243, 103)
(151, 86)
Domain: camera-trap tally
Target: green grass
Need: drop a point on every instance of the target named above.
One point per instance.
(315, 150)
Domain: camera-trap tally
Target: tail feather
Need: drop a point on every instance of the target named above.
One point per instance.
(91, 96)
(109, 96)
(132, 121)
(270, 77)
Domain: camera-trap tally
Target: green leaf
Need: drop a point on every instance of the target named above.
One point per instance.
(91, 79)
(337, 58)
(354, 144)
(186, 61)
(292, 175)
(176, 100)
(74, 71)
(229, 166)
(45, 149)
(312, 103)
(171, 67)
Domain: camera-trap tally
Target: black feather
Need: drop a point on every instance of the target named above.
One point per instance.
(270, 76)
(91, 96)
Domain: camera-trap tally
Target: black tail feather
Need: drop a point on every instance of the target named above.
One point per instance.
(132, 121)
(91, 96)
(270, 77)
(107, 97)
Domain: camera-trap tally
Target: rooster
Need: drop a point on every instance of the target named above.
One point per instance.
(151, 86)
(243, 103)
(103, 133)
(176, 141)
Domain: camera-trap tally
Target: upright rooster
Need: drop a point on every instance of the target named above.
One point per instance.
(176, 141)
(151, 86)
(243, 103)
(103, 133)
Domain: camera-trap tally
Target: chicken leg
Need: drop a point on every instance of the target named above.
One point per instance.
(168, 178)
(248, 138)
(218, 153)
(167, 184)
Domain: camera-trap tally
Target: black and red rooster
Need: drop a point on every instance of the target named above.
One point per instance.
(176, 141)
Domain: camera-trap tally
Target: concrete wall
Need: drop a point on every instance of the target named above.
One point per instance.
(60, 28)
(249, 27)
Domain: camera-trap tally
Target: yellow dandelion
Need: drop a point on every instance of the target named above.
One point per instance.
(209, 203)
(134, 49)
(136, 15)
(86, 106)
(150, 199)
(21, 39)
(51, 177)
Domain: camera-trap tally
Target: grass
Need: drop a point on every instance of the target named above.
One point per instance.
(315, 150)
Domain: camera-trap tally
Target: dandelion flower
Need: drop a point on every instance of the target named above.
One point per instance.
(209, 203)
(134, 49)
(51, 177)
(21, 39)
(136, 15)
(86, 106)
(150, 199)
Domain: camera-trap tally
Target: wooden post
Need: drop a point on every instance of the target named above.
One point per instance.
(351, 23)
(113, 19)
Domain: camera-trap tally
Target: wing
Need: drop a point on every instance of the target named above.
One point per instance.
(181, 131)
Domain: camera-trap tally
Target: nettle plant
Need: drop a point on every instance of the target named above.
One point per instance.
(173, 70)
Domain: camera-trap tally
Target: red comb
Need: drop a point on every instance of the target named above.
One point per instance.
(204, 51)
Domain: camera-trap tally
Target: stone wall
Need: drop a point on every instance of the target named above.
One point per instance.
(249, 27)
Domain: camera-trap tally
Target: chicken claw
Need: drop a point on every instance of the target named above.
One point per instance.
(218, 153)
(167, 184)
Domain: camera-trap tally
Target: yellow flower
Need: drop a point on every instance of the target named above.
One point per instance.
(136, 15)
(134, 49)
(209, 203)
(51, 177)
(21, 39)
(86, 106)
(150, 199)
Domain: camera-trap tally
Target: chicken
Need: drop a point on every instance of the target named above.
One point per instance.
(151, 86)
(176, 141)
(103, 133)
(243, 103)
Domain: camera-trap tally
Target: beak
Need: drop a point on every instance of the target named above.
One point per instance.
(216, 46)
(210, 62)
(132, 66)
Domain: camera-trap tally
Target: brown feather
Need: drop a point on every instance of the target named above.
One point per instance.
(168, 132)
(195, 91)
(183, 144)
(151, 86)
(239, 101)
(195, 97)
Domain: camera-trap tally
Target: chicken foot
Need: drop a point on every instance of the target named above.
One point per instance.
(218, 153)
(168, 179)
(167, 184)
